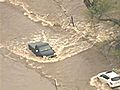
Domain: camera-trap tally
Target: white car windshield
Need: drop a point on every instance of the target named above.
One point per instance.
(115, 78)
(104, 76)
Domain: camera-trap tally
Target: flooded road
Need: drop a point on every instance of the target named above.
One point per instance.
(94, 81)
(71, 74)
(15, 76)
(23, 33)
(71, 70)
(65, 39)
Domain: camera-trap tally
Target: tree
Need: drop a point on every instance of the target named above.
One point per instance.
(87, 3)
(97, 8)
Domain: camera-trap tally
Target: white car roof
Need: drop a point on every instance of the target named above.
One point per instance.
(111, 74)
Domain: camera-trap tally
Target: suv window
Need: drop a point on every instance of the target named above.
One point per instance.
(108, 71)
(115, 78)
(104, 76)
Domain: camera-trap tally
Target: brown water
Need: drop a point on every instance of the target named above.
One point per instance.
(15, 76)
(58, 31)
(25, 21)
(94, 81)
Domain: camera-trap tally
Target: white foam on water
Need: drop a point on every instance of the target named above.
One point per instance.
(73, 41)
(32, 15)
(1, 1)
(94, 81)
(64, 45)
(1, 45)
(45, 20)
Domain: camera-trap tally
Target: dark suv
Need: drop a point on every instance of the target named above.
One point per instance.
(41, 49)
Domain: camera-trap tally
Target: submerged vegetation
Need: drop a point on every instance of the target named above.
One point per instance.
(106, 11)
(100, 7)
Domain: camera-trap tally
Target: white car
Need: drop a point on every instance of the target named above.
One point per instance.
(110, 77)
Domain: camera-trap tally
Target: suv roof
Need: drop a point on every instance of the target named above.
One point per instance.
(38, 44)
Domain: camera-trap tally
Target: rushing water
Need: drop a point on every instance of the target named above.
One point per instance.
(50, 21)
(94, 81)
(66, 39)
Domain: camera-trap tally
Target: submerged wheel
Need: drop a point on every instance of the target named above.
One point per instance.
(106, 86)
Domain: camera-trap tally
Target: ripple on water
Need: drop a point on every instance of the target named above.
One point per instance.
(66, 42)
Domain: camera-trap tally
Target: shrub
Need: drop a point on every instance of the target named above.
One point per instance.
(100, 7)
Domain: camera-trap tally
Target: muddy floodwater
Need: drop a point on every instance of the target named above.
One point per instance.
(62, 24)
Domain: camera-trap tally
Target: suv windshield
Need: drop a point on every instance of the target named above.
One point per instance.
(115, 78)
(104, 76)
(44, 48)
